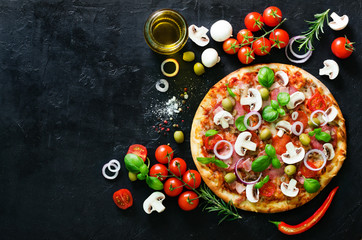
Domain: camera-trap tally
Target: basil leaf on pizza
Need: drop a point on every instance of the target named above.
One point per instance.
(266, 77)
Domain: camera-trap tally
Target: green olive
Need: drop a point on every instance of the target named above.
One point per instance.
(188, 56)
(265, 134)
(311, 124)
(227, 104)
(199, 69)
(290, 169)
(230, 177)
(179, 136)
(264, 93)
(132, 176)
(304, 139)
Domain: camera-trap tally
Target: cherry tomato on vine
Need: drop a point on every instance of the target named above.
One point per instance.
(139, 150)
(261, 46)
(246, 55)
(342, 47)
(160, 171)
(173, 187)
(279, 38)
(123, 198)
(188, 200)
(177, 166)
(162, 152)
(192, 178)
(245, 36)
(231, 46)
(254, 21)
(272, 16)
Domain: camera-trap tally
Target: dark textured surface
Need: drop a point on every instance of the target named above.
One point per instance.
(77, 88)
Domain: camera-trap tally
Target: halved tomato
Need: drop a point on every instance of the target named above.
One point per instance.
(209, 142)
(267, 189)
(139, 150)
(279, 143)
(123, 198)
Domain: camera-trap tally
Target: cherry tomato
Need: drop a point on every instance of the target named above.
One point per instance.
(245, 36)
(303, 118)
(192, 178)
(231, 46)
(279, 38)
(306, 172)
(316, 102)
(173, 187)
(342, 47)
(267, 189)
(209, 142)
(139, 150)
(160, 171)
(272, 16)
(254, 21)
(261, 46)
(255, 138)
(246, 55)
(123, 198)
(188, 200)
(177, 166)
(279, 143)
(162, 152)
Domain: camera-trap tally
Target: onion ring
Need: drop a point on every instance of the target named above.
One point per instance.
(238, 176)
(320, 153)
(247, 117)
(324, 115)
(294, 128)
(223, 157)
(295, 115)
(116, 167)
(304, 57)
(177, 67)
(159, 84)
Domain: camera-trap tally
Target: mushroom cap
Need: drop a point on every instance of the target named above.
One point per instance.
(284, 125)
(295, 99)
(198, 35)
(328, 151)
(283, 76)
(330, 68)
(289, 189)
(253, 99)
(154, 203)
(331, 113)
(210, 57)
(293, 154)
(221, 30)
(243, 141)
(252, 194)
(223, 116)
(338, 22)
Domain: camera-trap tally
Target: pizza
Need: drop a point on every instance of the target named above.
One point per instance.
(268, 138)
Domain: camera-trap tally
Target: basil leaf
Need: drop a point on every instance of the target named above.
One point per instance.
(270, 150)
(274, 104)
(276, 162)
(323, 136)
(266, 179)
(239, 123)
(311, 185)
(229, 91)
(283, 98)
(144, 169)
(261, 163)
(311, 133)
(220, 163)
(154, 183)
(266, 77)
(205, 160)
(258, 185)
(133, 162)
(270, 114)
(281, 111)
(211, 132)
(141, 176)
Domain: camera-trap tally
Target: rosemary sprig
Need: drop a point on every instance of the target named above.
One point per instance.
(315, 27)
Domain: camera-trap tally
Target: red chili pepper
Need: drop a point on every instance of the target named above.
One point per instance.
(310, 222)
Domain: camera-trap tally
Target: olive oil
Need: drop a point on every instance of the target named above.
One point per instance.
(166, 31)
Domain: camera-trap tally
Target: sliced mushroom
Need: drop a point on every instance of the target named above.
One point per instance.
(289, 189)
(295, 99)
(283, 126)
(293, 154)
(338, 22)
(328, 151)
(274, 86)
(223, 118)
(253, 100)
(331, 113)
(330, 68)
(243, 143)
(252, 194)
(283, 76)
(154, 202)
(198, 35)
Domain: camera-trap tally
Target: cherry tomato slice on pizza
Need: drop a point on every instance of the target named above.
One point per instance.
(139, 150)
(268, 189)
(279, 143)
(306, 172)
(316, 102)
(209, 142)
(123, 198)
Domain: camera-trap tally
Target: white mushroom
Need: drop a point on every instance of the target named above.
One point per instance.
(295, 99)
(338, 22)
(210, 57)
(198, 35)
(223, 118)
(289, 190)
(328, 151)
(330, 68)
(283, 126)
(293, 154)
(331, 113)
(221, 30)
(283, 77)
(252, 194)
(253, 100)
(243, 143)
(154, 202)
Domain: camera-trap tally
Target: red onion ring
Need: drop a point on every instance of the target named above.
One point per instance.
(294, 128)
(238, 176)
(320, 153)
(304, 57)
(247, 117)
(223, 157)
(324, 115)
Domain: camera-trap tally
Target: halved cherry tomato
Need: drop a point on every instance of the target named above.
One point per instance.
(209, 142)
(231, 46)
(255, 138)
(254, 21)
(173, 187)
(177, 166)
(246, 55)
(162, 153)
(139, 150)
(123, 198)
(306, 172)
(188, 200)
(160, 171)
(261, 46)
(303, 118)
(245, 36)
(279, 38)
(267, 189)
(316, 102)
(192, 178)
(342, 47)
(279, 143)
(272, 16)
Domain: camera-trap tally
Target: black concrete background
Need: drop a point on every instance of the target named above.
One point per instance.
(77, 88)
